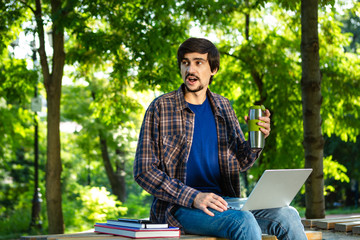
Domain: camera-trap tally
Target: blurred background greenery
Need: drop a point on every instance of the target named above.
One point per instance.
(120, 55)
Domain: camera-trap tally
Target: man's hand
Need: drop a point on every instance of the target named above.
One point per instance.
(265, 126)
(204, 200)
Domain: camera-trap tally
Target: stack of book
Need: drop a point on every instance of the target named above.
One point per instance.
(137, 228)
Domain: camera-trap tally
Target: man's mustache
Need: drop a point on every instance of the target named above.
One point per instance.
(191, 75)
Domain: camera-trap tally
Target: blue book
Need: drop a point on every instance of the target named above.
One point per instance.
(137, 223)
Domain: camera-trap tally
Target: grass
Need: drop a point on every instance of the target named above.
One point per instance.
(344, 210)
(334, 211)
(11, 236)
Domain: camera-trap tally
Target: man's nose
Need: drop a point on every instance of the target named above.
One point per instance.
(191, 68)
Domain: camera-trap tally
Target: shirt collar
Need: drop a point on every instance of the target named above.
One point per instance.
(181, 104)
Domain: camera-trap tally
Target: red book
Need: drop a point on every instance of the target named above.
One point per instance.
(137, 232)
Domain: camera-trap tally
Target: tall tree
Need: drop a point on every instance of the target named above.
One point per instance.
(52, 81)
(311, 104)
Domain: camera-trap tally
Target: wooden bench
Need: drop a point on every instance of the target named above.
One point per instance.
(347, 224)
(90, 235)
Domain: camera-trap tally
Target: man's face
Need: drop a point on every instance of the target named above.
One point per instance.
(195, 71)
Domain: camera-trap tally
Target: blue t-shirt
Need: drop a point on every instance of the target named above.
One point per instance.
(203, 171)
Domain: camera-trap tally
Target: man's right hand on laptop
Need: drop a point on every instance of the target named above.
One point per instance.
(204, 200)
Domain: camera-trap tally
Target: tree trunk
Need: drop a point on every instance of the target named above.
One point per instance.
(120, 173)
(116, 178)
(52, 82)
(311, 104)
(53, 166)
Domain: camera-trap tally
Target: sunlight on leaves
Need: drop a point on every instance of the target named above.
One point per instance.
(335, 170)
(100, 204)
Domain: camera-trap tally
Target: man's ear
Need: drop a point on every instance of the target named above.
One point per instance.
(214, 72)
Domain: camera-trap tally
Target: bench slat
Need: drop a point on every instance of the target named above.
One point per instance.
(314, 235)
(346, 227)
(330, 223)
(356, 230)
(310, 223)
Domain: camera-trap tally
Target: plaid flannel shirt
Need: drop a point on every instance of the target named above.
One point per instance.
(164, 145)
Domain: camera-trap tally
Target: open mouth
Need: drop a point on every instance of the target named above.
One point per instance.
(191, 78)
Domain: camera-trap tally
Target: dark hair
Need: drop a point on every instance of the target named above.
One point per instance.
(200, 45)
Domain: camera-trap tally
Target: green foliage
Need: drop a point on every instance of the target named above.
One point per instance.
(11, 16)
(351, 23)
(17, 219)
(334, 170)
(14, 225)
(16, 84)
(88, 205)
(340, 72)
(346, 154)
(16, 81)
(138, 205)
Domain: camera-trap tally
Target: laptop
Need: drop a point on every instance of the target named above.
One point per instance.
(275, 188)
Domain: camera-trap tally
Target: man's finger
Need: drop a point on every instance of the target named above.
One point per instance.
(267, 113)
(222, 203)
(218, 207)
(208, 212)
(246, 118)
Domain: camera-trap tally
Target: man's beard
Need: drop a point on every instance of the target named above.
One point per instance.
(201, 87)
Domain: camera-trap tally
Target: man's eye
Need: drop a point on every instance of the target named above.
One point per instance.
(199, 63)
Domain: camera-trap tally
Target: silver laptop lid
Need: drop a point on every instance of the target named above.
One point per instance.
(276, 188)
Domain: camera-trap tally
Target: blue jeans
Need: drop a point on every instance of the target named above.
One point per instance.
(284, 223)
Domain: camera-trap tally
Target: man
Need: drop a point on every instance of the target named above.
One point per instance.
(190, 151)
